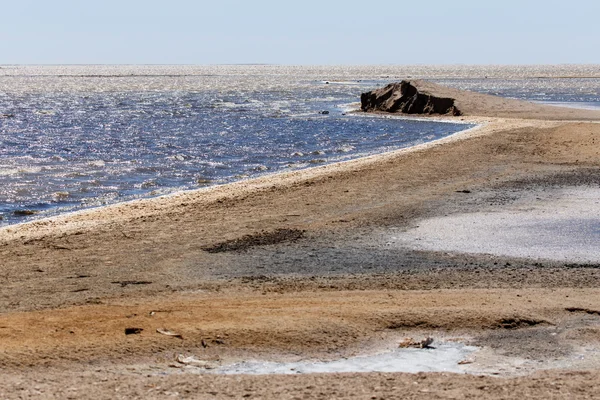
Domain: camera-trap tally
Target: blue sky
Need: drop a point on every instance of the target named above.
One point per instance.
(299, 32)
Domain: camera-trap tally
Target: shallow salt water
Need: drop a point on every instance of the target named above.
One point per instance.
(584, 105)
(73, 137)
(69, 146)
(444, 357)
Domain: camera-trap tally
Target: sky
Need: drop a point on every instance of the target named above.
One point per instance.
(305, 32)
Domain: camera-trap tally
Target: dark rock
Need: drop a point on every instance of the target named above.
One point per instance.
(24, 213)
(133, 331)
(404, 97)
(7, 116)
(324, 112)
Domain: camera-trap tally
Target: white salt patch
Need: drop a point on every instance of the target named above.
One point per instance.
(443, 358)
(563, 227)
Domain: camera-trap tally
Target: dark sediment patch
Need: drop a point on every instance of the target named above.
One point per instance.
(519, 323)
(408, 323)
(259, 239)
(127, 283)
(582, 310)
(538, 343)
(473, 321)
(580, 177)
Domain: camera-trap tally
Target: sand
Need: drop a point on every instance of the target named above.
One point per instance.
(315, 274)
(483, 105)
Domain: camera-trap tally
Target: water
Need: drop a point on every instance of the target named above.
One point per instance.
(577, 91)
(73, 137)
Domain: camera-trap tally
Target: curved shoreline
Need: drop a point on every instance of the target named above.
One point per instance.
(88, 217)
(337, 288)
(211, 193)
(56, 212)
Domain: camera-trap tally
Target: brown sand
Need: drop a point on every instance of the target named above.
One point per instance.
(304, 273)
(483, 105)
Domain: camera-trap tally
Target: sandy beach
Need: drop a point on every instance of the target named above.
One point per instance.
(328, 263)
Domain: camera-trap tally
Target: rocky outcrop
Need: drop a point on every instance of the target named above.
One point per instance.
(407, 97)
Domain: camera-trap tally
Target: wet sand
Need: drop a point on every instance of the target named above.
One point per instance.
(302, 265)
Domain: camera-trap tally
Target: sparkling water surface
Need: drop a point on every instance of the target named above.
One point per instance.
(74, 137)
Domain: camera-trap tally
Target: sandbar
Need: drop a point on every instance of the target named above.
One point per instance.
(302, 265)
